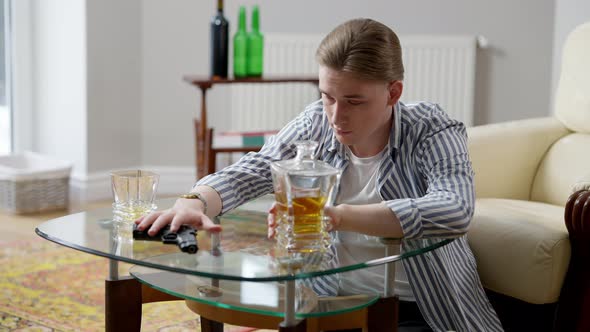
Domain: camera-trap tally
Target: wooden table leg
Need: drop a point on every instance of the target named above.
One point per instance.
(122, 305)
(208, 325)
(201, 133)
(124, 297)
(301, 326)
(383, 315)
(209, 154)
(199, 150)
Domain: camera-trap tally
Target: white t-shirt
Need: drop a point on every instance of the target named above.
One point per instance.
(359, 181)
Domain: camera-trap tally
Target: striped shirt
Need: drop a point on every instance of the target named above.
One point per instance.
(427, 181)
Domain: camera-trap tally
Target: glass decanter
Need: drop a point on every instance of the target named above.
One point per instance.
(303, 187)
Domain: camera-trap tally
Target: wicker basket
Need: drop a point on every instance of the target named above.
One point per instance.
(31, 183)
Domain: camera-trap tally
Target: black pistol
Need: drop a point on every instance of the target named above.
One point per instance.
(185, 238)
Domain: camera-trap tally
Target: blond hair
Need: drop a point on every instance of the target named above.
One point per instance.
(364, 47)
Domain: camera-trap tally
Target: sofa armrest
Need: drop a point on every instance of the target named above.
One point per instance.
(574, 301)
(506, 156)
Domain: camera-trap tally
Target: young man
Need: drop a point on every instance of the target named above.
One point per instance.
(406, 174)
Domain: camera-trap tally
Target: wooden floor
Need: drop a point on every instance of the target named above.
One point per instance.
(14, 226)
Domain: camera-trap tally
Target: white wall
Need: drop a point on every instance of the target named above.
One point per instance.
(175, 42)
(513, 74)
(108, 74)
(59, 84)
(114, 84)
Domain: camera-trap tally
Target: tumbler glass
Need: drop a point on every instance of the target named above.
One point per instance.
(134, 193)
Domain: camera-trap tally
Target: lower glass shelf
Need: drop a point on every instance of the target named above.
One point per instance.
(264, 298)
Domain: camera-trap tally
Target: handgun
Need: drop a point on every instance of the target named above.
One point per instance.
(185, 237)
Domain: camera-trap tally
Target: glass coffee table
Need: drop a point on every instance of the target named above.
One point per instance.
(235, 277)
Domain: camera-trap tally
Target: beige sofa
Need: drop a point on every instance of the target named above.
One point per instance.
(525, 172)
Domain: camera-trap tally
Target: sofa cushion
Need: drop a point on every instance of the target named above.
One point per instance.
(572, 100)
(521, 247)
(565, 162)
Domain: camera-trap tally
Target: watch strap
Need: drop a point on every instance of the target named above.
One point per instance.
(196, 196)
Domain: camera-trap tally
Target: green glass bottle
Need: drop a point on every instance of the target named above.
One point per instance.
(255, 46)
(241, 46)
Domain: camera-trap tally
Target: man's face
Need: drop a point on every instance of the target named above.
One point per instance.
(358, 110)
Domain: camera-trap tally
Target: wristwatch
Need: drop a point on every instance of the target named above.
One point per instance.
(196, 196)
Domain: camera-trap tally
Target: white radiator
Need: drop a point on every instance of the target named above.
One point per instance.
(270, 106)
(438, 69)
(441, 69)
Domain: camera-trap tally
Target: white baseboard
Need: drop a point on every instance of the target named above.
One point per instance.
(97, 186)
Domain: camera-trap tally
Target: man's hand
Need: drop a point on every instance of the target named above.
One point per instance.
(271, 221)
(184, 212)
(334, 213)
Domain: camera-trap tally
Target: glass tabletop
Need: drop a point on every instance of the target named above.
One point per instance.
(244, 252)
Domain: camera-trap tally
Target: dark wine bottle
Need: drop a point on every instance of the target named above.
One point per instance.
(219, 43)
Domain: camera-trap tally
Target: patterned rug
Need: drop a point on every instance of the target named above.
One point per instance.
(47, 287)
